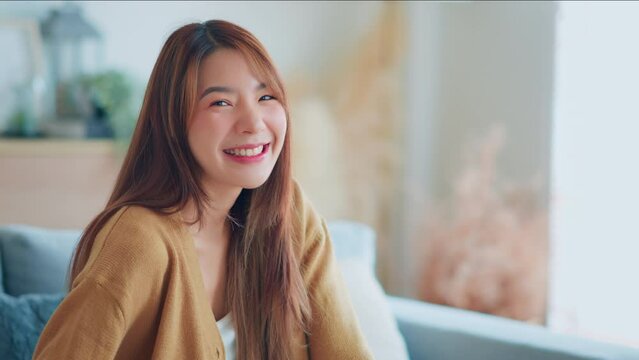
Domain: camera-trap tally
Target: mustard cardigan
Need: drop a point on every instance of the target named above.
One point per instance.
(141, 296)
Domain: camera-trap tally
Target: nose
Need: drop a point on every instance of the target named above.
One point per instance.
(250, 119)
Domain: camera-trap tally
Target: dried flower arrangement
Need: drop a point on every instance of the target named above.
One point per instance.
(349, 126)
(490, 253)
(365, 91)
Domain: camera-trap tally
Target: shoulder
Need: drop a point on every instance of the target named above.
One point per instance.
(134, 240)
(136, 228)
(139, 216)
(309, 228)
(304, 216)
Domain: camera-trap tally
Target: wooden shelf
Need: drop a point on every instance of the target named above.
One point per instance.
(55, 147)
(58, 183)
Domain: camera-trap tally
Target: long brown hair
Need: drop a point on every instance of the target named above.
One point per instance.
(265, 289)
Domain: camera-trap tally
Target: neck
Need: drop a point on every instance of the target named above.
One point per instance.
(214, 221)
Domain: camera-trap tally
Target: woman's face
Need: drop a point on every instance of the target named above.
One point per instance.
(238, 127)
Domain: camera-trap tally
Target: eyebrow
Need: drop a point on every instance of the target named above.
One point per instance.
(226, 89)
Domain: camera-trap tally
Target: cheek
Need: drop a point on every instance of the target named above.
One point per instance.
(203, 133)
(196, 129)
(277, 123)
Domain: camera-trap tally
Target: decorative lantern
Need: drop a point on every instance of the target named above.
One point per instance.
(74, 49)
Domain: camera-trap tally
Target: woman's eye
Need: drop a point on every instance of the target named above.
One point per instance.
(220, 103)
(267, 97)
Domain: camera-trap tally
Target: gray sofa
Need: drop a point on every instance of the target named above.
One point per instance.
(33, 263)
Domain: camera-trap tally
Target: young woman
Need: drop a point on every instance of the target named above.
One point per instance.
(207, 249)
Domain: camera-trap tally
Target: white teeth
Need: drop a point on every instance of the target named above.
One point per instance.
(245, 152)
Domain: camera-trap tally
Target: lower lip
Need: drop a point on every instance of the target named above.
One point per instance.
(249, 159)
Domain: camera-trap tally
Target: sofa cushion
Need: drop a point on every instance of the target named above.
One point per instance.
(353, 240)
(35, 260)
(1, 276)
(354, 246)
(373, 311)
(22, 319)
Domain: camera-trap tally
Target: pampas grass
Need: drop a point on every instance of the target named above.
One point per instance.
(353, 117)
(489, 252)
(316, 155)
(366, 94)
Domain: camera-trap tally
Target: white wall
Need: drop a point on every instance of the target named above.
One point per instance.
(595, 184)
(471, 65)
(299, 35)
(422, 98)
(496, 66)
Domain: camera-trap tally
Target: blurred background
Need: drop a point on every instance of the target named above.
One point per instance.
(489, 144)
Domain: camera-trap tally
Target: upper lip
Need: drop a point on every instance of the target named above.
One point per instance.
(247, 146)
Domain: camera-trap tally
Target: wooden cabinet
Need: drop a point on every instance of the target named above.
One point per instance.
(55, 183)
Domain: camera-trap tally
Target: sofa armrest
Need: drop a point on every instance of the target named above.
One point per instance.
(440, 332)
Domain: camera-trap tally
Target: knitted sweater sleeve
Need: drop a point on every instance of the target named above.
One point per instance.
(334, 332)
(117, 288)
(88, 324)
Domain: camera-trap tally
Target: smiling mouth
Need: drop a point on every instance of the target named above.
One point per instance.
(247, 152)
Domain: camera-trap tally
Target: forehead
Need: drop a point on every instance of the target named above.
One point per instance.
(226, 67)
